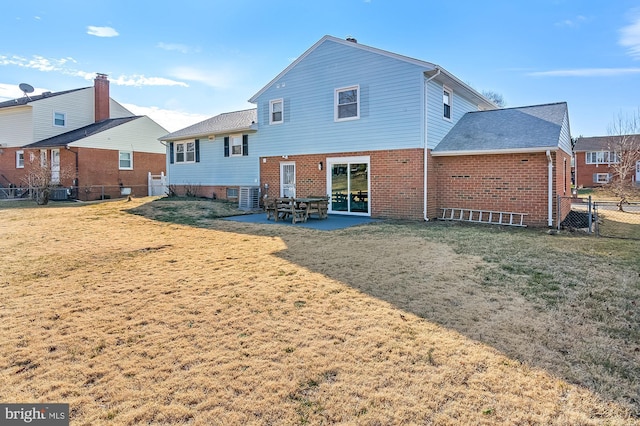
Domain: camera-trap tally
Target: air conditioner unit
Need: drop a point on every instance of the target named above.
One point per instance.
(249, 198)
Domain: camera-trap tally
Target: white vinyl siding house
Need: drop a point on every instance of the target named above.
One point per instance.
(16, 128)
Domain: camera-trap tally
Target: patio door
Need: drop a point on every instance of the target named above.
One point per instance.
(287, 179)
(55, 166)
(348, 180)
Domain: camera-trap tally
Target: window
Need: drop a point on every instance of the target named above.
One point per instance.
(602, 157)
(59, 119)
(186, 152)
(232, 193)
(236, 144)
(446, 102)
(347, 105)
(275, 111)
(126, 160)
(601, 177)
(19, 159)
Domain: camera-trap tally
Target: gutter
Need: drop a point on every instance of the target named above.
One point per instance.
(426, 127)
(493, 151)
(550, 199)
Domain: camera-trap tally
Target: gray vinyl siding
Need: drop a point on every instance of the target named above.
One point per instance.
(391, 104)
(565, 135)
(16, 126)
(214, 168)
(77, 105)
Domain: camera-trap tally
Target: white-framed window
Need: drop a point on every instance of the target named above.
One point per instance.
(235, 145)
(43, 158)
(19, 159)
(185, 152)
(602, 157)
(347, 103)
(601, 177)
(232, 193)
(276, 111)
(447, 101)
(59, 119)
(125, 161)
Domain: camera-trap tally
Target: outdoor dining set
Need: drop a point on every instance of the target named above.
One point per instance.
(298, 209)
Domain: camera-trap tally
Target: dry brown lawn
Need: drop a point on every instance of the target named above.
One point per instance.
(136, 319)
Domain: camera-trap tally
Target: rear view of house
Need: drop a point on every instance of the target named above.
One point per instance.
(84, 140)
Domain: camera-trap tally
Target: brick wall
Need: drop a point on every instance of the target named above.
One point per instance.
(585, 172)
(510, 182)
(396, 179)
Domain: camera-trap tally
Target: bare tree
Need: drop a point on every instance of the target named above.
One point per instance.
(624, 138)
(41, 179)
(494, 97)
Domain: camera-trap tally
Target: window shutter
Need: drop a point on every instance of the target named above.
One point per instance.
(197, 150)
(171, 153)
(245, 145)
(226, 146)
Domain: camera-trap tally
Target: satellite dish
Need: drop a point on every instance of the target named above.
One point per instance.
(26, 88)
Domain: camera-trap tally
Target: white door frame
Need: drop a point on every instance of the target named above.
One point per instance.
(638, 172)
(364, 159)
(55, 166)
(288, 182)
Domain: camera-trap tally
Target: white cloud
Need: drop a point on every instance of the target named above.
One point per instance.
(182, 48)
(169, 119)
(630, 36)
(586, 72)
(61, 66)
(574, 22)
(220, 78)
(141, 80)
(102, 31)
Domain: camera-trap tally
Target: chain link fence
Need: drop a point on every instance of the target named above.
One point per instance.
(600, 218)
(82, 193)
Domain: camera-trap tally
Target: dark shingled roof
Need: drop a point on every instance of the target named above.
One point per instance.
(223, 123)
(24, 100)
(509, 129)
(599, 143)
(66, 138)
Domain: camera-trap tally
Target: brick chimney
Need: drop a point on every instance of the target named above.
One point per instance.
(101, 90)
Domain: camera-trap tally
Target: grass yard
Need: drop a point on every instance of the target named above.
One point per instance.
(156, 312)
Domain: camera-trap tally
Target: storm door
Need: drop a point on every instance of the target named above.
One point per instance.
(287, 179)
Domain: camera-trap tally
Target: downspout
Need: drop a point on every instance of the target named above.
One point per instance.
(550, 198)
(426, 120)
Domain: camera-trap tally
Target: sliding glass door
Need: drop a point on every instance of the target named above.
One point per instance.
(348, 180)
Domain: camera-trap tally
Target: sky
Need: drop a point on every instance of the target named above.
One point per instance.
(183, 62)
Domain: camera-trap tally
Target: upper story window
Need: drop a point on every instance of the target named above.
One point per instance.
(185, 152)
(602, 157)
(236, 144)
(347, 103)
(126, 160)
(276, 109)
(447, 96)
(59, 119)
(19, 159)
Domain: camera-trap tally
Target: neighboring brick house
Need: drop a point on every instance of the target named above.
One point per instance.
(361, 125)
(87, 141)
(594, 157)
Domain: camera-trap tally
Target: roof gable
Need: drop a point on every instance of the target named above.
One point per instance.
(430, 69)
(65, 139)
(533, 128)
(227, 122)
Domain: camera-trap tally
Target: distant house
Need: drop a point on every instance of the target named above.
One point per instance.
(216, 156)
(594, 157)
(88, 142)
(388, 136)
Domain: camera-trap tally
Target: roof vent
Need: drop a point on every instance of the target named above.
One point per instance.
(352, 39)
(46, 94)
